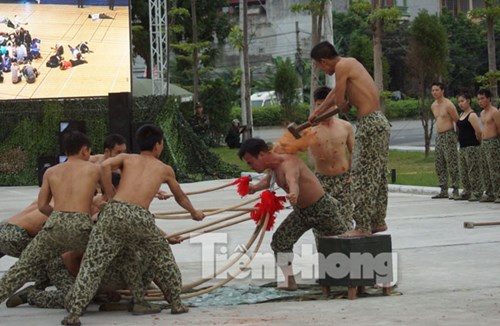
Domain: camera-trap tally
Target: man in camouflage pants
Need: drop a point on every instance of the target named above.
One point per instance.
(125, 222)
(355, 86)
(446, 116)
(490, 147)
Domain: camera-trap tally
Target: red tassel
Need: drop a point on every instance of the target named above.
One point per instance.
(243, 185)
(269, 204)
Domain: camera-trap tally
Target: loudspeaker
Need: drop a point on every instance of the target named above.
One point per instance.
(43, 163)
(70, 125)
(134, 126)
(120, 114)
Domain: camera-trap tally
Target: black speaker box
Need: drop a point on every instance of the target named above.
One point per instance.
(120, 114)
(43, 163)
(134, 126)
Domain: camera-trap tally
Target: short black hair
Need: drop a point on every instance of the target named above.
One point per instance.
(466, 96)
(321, 93)
(112, 140)
(148, 136)
(252, 146)
(438, 84)
(485, 92)
(73, 141)
(323, 50)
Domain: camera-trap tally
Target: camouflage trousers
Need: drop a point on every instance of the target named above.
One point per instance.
(369, 171)
(122, 225)
(470, 170)
(490, 166)
(323, 217)
(63, 231)
(59, 277)
(447, 159)
(339, 187)
(117, 277)
(13, 239)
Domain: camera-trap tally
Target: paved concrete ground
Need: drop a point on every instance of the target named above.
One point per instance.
(448, 275)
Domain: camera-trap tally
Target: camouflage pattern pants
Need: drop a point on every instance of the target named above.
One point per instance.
(61, 278)
(323, 217)
(339, 187)
(63, 231)
(447, 159)
(122, 225)
(369, 171)
(13, 239)
(117, 277)
(490, 166)
(470, 170)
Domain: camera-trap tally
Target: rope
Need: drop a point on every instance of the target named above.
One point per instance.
(215, 228)
(232, 277)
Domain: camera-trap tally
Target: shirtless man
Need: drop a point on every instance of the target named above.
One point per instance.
(72, 185)
(490, 147)
(334, 138)
(20, 229)
(312, 207)
(446, 116)
(125, 222)
(369, 168)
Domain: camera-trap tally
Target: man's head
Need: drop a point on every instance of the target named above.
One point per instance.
(236, 122)
(114, 144)
(484, 98)
(323, 54)
(320, 94)
(198, 109)
(74, 142)
(252, 151)
(149, 138)
(437, 90)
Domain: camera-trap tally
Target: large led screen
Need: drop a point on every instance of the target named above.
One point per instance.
(59, 49)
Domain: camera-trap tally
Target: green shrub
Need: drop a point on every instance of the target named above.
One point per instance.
(401, 109)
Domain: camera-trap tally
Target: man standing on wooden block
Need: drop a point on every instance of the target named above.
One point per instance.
(372, 137)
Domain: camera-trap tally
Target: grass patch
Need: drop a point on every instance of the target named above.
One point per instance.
(412, 168)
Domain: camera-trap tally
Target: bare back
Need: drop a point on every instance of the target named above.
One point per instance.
(141, 179)
(72, 185)
(490, 127)
(354, 82)
(445, 114)
(329, 149)
(310, 190)
(30, 219)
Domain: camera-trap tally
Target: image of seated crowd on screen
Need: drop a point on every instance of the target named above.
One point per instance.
(18, 50)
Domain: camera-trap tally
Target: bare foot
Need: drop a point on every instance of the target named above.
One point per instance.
(381, 228)
(291, 285)
(356, 233)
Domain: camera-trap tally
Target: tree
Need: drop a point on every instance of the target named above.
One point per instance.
(317, 10)
(467, 52)
(381, 18)
(427, 56)
(285, 86)
(197, 25)
(490, 13)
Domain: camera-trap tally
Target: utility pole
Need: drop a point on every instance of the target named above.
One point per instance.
(299, 63)
(328, 35)
(246, 109)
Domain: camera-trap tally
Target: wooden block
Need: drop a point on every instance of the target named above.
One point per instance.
(355, 261)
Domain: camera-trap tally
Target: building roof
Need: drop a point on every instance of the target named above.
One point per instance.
(144, 87)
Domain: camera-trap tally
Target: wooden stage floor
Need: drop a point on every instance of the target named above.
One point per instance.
(108, 68)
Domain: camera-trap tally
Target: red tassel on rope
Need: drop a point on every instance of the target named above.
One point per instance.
(269, 204)
(243, 185)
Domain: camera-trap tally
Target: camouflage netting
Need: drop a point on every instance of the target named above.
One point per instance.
(29, 129)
